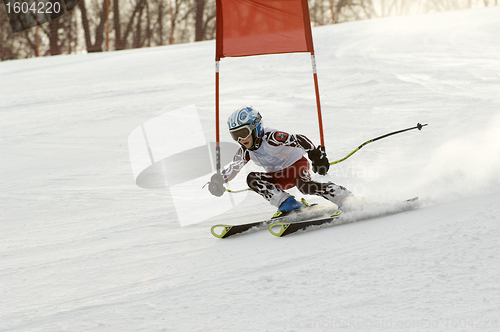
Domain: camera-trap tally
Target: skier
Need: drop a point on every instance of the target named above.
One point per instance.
(282, 156)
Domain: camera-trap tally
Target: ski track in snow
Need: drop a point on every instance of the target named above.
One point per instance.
(84, 249)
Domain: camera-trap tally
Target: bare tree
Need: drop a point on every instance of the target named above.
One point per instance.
(90, 28)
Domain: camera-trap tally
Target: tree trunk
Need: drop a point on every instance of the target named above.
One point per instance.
(99, 32)
(119, 44)
(199, 26)
(54, 37)
(85, 23)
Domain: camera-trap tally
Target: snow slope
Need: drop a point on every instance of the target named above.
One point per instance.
(84, 249)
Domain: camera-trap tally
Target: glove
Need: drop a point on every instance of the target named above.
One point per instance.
(320, 163)
(216, 185)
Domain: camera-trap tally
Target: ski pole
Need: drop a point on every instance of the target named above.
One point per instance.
(238, 191)
(418, 126)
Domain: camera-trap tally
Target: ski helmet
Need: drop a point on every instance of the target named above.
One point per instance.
(244, 122)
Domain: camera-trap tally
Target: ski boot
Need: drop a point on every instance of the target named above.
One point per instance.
(290, 204)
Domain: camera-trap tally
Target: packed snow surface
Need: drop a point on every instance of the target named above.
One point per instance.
(83, 248)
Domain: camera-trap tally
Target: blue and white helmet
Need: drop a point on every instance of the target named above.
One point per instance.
(250, 118)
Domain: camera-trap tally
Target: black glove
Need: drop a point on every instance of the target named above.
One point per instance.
(320, 163)
(216, 185)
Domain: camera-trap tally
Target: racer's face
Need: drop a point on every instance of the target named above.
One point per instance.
(247, 142)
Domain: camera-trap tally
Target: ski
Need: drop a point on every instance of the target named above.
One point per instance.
(286, 228)
(338, 218)
(230, 230)
(223, 231)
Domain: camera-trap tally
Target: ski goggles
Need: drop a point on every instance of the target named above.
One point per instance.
(241, 133)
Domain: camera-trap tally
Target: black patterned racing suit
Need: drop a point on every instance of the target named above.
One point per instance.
(282, 156)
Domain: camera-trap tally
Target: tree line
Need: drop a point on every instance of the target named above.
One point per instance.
(107, 25)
